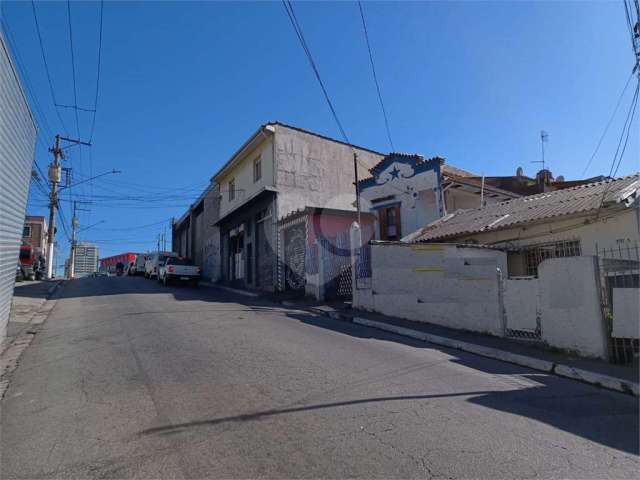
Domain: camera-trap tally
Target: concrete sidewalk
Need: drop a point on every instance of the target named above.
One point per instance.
(527, 354)
(29, 308)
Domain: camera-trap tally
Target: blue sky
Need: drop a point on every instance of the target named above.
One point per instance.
(184, 84)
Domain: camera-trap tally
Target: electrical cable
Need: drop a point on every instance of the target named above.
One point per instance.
(375, 76)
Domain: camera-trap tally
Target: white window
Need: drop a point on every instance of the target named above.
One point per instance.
(257, 169)
(232, 189)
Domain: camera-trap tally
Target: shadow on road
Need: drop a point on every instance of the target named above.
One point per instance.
(601, 416)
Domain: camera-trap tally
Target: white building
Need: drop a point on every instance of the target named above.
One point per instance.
(17, 148)
(408, 191)
(560, 268)
(86, 258)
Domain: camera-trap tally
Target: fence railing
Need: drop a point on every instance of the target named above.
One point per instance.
(619, 268)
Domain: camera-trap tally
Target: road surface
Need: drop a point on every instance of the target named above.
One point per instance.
(129, 379)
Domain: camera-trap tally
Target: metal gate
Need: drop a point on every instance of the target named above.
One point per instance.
(335, 254)
(619, 269)
(522, 308)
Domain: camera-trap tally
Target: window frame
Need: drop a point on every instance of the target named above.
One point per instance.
(257, 169)
(30, 229)
(232, 189)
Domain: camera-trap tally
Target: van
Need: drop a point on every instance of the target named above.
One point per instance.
(155, 261)
(137, 267)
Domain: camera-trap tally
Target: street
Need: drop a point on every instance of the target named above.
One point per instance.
(129, 379)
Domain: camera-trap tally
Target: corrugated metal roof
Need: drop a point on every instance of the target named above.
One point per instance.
(533, 208)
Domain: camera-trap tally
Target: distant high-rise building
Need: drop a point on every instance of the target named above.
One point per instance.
(86, 259)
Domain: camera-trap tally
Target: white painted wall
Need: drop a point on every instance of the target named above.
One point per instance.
(522, 303)
(605, 231)
(570, 306)
(242, 172)
(462, 288)
(447, 285)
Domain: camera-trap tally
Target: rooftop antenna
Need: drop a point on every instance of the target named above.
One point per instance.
(544, 137)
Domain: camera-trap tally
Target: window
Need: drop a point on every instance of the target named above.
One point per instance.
(26, 231)
(257, 169)
(535, 254)
(390, 223)
(232, 189)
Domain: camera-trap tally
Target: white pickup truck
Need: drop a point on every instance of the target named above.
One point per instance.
(179, 269)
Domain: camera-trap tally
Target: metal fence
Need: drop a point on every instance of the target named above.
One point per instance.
(619, 268)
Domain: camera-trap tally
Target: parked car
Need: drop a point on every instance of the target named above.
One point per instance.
(137, 267)
(179, 269)
(154, 261)
(26, 262)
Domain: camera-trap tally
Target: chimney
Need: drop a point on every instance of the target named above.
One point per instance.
(544, 178)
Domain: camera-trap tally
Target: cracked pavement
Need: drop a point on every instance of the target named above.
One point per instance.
(128, 379)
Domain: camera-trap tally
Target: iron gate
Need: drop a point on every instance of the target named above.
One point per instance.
(619, 269)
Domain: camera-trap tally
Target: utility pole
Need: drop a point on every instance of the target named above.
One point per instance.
(55, 175)
(355, 172)
(54, 178)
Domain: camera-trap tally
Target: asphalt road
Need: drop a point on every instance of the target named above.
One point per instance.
(128, 379)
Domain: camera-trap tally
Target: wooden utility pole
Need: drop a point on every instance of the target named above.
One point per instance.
(55, 175)
(355, 172)
(54, 178)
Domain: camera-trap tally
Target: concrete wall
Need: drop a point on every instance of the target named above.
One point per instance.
(311, 171)
(211, 236)
(570, 306)
(447, 285)
(463, 288)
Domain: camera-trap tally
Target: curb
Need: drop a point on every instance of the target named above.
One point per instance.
(10, 356)
(559, 369)
(600, 380)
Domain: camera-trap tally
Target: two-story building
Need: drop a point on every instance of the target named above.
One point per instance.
(280, 169)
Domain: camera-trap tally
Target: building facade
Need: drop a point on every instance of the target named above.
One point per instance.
(86, 257)
(280, 169)
(408, 191)
(17, 148)
(34, 234)
(195, 235)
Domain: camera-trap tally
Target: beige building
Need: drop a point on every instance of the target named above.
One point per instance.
(280, 169)
(572, 222)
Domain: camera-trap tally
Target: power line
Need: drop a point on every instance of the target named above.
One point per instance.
(41, 120)
(606, 129)
(375, 76)
(288, 6)
(73, 68)
(621, 148)
(631, 118)
(46, 66)
(95, 102)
